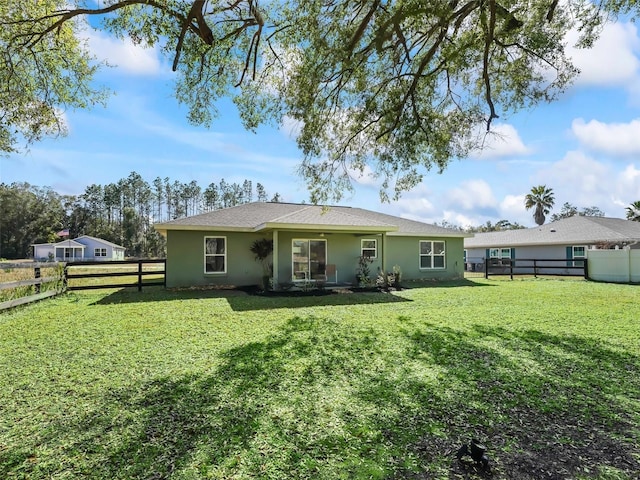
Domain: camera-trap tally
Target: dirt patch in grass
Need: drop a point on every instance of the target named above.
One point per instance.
(558, 446)
(531, 447)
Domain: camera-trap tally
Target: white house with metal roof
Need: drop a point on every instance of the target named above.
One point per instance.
(311, 243)
(568, 239)
(82, 248)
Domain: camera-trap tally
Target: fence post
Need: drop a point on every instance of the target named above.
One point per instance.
(586, 269)
(535, 269)
(511, 268)
(486, 268)
(36, 274)
(65, 281)
(139, 275)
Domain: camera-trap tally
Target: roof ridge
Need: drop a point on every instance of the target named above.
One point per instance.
(305, 207)
(351, 214)
(100, 240)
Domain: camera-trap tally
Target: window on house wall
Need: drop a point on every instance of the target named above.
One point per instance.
(501, 256)
(500, 253)
(100, 252)
(580, 253)
(369, 248)
(215, 254)
(432, 254)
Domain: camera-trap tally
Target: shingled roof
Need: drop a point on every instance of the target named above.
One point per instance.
(576, 230)
(262, 216)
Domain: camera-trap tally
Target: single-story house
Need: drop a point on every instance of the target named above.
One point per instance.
(82, 248)
(568, 239)
(311, 243)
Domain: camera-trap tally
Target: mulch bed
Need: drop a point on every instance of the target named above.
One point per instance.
(314, 292)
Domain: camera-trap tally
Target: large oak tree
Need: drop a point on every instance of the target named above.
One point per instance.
(392, 87)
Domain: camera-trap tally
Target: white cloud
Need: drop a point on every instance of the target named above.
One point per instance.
(502, 141)
(460, 219)
(128, 57)
(630, 178)
(612, 138)
(365, 177)
(612, 60)
(512, 206)
(581, 181)
(415, 207)
(580, 172)
(472, 194)
(291, 127)
(627, 187)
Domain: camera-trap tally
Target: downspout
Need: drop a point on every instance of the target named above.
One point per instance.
(383, 241)
(274, 255)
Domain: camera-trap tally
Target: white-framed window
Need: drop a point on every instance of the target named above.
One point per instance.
(580, 253)
(432, 254)
(215, 254)
(369, 247)
(99, 252)
(500, 253)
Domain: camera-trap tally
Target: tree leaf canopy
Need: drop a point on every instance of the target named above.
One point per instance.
(392, 88)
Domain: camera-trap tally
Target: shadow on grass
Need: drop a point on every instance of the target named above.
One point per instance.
(241, 301)
(461, 282)
(322, 399)
(548, 406)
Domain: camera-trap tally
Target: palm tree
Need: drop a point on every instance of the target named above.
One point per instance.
(633, 211)
(541, 198)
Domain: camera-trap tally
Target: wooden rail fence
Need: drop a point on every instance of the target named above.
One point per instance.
(53, 282)
(536, 266)
(50, 285)
(140, 273)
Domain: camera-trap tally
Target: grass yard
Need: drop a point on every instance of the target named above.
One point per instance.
(205, 384)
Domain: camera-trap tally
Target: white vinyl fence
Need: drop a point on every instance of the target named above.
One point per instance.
(616, 266)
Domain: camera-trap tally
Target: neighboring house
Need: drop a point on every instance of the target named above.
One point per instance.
(79, 249)
(567, 239)
(310, 243)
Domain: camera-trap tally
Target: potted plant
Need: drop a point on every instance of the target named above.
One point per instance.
(397, 274)
(262, 249)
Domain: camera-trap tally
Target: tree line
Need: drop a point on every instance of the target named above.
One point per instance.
(122, 212)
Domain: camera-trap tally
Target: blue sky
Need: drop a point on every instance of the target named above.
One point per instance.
(586, 146)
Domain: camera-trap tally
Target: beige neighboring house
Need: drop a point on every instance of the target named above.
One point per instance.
(83, 248)
(568, 239)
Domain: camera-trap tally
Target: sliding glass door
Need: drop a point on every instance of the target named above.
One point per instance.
(309, 259)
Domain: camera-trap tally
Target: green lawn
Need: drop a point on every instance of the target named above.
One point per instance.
(204, 384)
